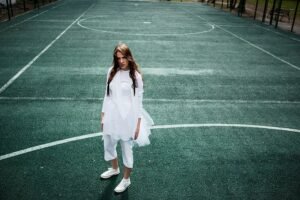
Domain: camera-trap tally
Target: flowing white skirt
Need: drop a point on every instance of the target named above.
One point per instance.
(145, 130)
(123, 129)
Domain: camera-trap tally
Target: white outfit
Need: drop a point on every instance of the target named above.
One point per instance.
(122, 109)
(110, 151)
(121, 112)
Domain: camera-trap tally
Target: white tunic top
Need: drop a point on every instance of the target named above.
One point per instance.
(122, 109)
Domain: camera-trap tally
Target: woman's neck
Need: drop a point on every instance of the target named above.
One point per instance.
(124, 69)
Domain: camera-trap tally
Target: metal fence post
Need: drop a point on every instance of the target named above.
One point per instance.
(277, 14)
(11, 8)
(8, 11)
(294, 18)
(272, 13)
(255, 9)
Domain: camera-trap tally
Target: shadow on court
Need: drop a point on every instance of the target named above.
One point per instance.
(109, 193)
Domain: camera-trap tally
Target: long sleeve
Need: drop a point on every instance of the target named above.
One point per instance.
(104, 105)
(139, 93)
(106, 98)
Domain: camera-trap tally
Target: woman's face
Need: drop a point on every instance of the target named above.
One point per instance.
(122, 61)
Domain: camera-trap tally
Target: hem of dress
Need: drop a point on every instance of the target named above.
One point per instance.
(117, 138)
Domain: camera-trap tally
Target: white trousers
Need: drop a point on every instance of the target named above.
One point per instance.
(110, 150)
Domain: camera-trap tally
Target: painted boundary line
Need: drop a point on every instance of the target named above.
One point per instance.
(43, 146)
(212, 27)
(3, 88)
(278, 33)
(51, 21)
(240, 101)
(50, 99)
(33, 16)
(224, 101)
(55, 143)
(273, 31)
(244, 40)
(264, 28)
(259, 48)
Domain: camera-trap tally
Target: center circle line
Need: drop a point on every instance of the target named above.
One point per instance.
(79, 23)
(82, 137)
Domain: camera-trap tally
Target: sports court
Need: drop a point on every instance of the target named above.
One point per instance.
(223, 91)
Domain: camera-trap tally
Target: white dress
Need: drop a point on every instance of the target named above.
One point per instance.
(122, 109)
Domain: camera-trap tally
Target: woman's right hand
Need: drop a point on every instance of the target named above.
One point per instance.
(102, 116)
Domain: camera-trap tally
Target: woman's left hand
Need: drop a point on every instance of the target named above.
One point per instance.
(137, 130)
(136, 135)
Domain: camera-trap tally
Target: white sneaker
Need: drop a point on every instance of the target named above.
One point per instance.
(109, 173)
(123, 185)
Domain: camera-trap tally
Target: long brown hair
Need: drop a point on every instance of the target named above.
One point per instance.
(133, 66)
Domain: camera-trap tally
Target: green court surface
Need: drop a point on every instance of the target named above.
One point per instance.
(223, 91)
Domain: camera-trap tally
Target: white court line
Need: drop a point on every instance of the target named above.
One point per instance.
(51, 98)
(11, 26)
(257, 47)
(234, 26)
(82, 137)
(246, 41)
(43, 146)
(278, 33)
(54, 21)
(234, 101)
(32, 16)
(141, 34)
(160, 71)
(3, 88)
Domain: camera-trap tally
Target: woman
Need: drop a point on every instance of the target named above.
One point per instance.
(123, 118)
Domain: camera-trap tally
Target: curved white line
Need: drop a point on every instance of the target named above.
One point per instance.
(212, 27)
(235, 101)
(225, 125)
(43, 146)
(51, 98)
